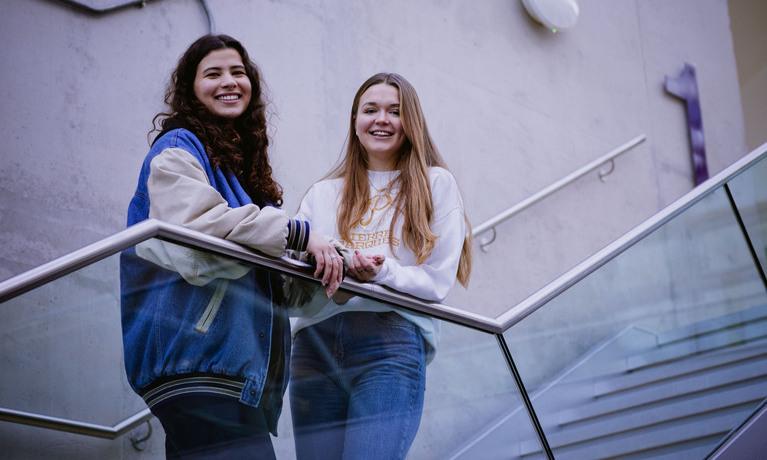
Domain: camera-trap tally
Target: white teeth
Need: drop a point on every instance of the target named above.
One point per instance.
(228, 98)
(381, 133)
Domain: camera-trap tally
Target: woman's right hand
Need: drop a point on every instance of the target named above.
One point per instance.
(365, 267)
(328, 262)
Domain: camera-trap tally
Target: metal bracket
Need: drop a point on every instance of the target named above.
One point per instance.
(602, 175)
(139, 443)
(488, 242)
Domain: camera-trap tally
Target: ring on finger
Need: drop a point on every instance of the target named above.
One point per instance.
(332, 256)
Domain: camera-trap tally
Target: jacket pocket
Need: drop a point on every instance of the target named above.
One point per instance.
(203, 324)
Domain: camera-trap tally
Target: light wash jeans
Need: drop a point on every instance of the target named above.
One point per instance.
(357, 387)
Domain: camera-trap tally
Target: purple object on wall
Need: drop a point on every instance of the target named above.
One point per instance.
(685, 86)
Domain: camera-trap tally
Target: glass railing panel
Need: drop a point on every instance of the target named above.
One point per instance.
(749, 190)
(663, 350)
(63, 356)
(469, 392)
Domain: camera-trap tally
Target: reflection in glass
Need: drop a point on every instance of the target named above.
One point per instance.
(468, 387)
(661, 351)
(469, 392)
(57, 332)
(61, 356)
(206, 343)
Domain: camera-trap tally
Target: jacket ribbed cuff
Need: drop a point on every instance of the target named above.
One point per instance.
(202, 384)
(298, 234)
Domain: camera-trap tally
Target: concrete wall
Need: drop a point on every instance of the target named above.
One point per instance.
(512, 106)
(747, 18)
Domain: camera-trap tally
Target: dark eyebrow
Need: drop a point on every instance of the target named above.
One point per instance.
(374, 104)
(216, 68)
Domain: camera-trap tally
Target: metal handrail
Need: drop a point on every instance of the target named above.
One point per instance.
(72, 426)
(157, 229)
(610, 156)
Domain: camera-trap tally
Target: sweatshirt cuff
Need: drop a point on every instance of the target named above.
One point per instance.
(383, 272)
(298, 234)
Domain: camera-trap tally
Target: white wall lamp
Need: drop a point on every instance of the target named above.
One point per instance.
(554, 14)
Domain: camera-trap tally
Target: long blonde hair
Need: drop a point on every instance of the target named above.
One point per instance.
(414, 201)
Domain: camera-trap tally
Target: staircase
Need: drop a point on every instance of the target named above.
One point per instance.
(641, 395)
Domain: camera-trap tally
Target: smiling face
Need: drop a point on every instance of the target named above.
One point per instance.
(379, 127)
(222, 84)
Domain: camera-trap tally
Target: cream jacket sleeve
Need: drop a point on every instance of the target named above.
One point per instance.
(180, 193)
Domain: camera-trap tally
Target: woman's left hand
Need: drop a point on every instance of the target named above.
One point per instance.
(329, 263)
(364, 267)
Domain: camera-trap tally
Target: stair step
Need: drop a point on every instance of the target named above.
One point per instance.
(658, 437)
(677, 453)
(715, 341)
(499, 441)
(685, 385)
(747, 396)
(609, 357)
(639, 394)
(758, 313)
(627, 381)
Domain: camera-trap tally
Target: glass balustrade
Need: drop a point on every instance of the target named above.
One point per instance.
(469, 390)
(63, 356)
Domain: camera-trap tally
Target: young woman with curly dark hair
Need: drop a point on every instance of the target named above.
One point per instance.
(207, 344)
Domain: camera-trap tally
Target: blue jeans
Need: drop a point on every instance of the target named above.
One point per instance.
(357, 387)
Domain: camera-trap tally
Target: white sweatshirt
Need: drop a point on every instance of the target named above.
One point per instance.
(430, 281)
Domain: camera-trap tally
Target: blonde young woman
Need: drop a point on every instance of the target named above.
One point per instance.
(359, 366)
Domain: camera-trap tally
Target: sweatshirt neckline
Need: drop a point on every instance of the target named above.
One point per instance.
(381, 180)
(375, 176)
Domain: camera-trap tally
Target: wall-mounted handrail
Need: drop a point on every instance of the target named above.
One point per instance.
(609, 157)
(72, 426)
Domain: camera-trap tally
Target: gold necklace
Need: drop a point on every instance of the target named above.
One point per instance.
(386, 188)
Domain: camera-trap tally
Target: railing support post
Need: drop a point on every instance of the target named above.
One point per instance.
(746, 236)
(525, 397)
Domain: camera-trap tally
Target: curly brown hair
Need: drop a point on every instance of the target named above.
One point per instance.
(240, 147)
